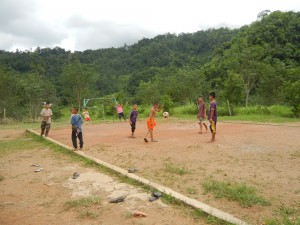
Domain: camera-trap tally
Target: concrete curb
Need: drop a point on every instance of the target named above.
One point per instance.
(189, 201)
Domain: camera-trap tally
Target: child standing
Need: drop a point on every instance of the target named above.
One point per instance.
(76, 122)
(201, 114)
(120, 112)
(151, 122)
(133, 117)
(86, 115)
(213, 116)
(46, 114)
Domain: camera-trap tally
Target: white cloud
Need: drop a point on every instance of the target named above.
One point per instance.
(93, 24)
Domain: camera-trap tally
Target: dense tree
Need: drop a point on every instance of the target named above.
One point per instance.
(77, 82)
(256, 64)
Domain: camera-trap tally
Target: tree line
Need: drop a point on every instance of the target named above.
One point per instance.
(258, 64)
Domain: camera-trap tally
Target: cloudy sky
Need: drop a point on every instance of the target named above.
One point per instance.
(93, 24)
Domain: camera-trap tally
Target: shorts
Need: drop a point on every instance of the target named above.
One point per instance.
(213, 127)
(201, 120)
(45, 125)
(87, 119)
(151, 123)
(121, 115)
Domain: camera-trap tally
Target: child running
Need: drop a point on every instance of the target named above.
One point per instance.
(151, 122)
(213, 116)
(201, 114)
(46, 114)
(133, 117)
(86, 115)
(120, 112)
(76, 122)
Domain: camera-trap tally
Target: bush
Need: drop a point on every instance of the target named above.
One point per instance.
(276, 110)
(190, 109)
(280, 110)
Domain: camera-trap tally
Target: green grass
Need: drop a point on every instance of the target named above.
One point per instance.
(241, 193)
(24, 142)
(171, 168)
(192, 191)
(83, 202)
(1, 178)
(261, 114)
(197, 214)
(88, 214)
(284, 216)
(259, 118)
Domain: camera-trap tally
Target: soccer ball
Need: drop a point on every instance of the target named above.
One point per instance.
(166, 115)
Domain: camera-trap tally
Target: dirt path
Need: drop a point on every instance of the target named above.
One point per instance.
(40, 198)
(264, 157)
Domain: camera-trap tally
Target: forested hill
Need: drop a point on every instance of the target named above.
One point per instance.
(257, 64)
(110, 64)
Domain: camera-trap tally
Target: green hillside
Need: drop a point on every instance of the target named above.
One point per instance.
(258, 64)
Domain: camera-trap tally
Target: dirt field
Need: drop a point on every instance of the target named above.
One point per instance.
(40, 198)
(261, 156)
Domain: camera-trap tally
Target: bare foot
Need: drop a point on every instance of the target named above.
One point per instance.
(211, 141)
(200, 132)
(146, 140)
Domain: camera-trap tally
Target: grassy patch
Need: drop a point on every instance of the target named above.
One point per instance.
(192, 191)
(88, 214)
(295, 154)
(284, 216)
(24, 142)
(171, 168)
(241, 193)
(192, 212)
(82, 202)
(197, 214)
(259, 118)
(1, 178)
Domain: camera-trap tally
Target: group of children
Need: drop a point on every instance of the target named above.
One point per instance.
(77, 121)
(212, 115)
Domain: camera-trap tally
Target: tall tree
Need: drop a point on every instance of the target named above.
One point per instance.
(78, 82)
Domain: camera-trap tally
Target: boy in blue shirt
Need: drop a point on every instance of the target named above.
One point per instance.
(76, 122)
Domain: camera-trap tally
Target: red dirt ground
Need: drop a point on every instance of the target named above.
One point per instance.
(28, 198)
(266, 157)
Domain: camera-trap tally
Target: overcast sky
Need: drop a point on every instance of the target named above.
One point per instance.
(94, 24)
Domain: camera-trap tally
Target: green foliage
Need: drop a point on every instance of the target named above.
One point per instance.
(189, 109)
(234, 88)
(258, 64)
(88, 214)
(171, 168)
(284, 216)
(292, 95)
(76, 80)
(241, 193)
(82, 202)
(17, 145)
(167, 103)
(192, 191)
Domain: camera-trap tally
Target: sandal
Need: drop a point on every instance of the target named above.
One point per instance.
(75, 175)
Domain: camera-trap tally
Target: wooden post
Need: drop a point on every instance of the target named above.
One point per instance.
(103, 111)
(4, 115)
(229, 108)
